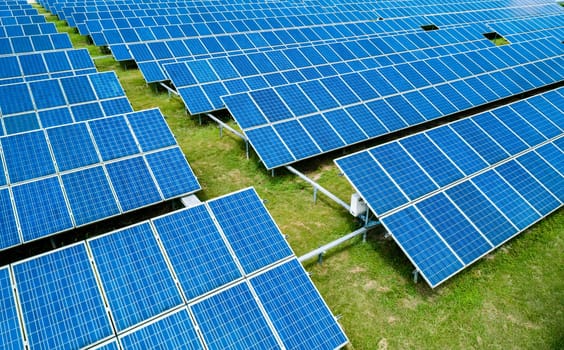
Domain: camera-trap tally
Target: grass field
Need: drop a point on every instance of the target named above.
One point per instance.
(512, 299)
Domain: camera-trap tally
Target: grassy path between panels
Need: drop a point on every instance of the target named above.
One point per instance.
(512, 299)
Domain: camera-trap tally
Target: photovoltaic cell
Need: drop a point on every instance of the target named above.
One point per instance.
(133, 183)
(249, 228)
(134, 275)
(89, 194)
(303, 322)
(72, 146)
(27, 156)
(173, 331)
(232, 319)
(199, 270)
(113, 138)
(10, 332)
(79, 318)
(172, 172)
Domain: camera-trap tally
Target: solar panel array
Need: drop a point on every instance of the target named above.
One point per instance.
(452, 194)
(219, 275)
(72, 151)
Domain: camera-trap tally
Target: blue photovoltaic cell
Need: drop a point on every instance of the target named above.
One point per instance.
(544, 173)
(10, 330)
(269, 146)
(183, 234)
(78, 89)
(345, 126)
(233, 320)
(27, 156)
(271, 105)
(367, 121)
(174, 331)
(47, 94)
(457, 150)
(195, 99)
(21, 123)
(8, 230)
(528, 187)
(553, 155)
(506, 199)
(454, 228)
(480, 141)
(113, 138)
(55, 117)
(325, 137)
(41, 208)
(134, 275)
(296, 309)
(296, 100)
(430, 158)
(519, 126)
(250, 230)
(371, 181)
(244, 110)
(15, 99)
(427, 251)
(487, 218)
(58, 291)
(87, 111)
(106, 85)
(500, 133)
(116, 106)
(90, 196)
(172, 173)
(151, 130)
(132, 183)
(403, 170)
(296, 139)
(72, 146)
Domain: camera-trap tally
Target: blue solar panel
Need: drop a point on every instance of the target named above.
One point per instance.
(172, 172)
(199, 271)
(133, 183)
(90, 196)
(173, 331)
(106, 85)
(250, 230)
(72, 146)
(424, 247)
(78, 89)
(41, 208)
(271, 148)
(113, 138)
(232, 319)
(79, 318)
(507, 185)
(151, 130)
(134, 275)
(9, 235)
(15, 99)
(27, 156)
(487, 218)
(10, 332)
(296, 309)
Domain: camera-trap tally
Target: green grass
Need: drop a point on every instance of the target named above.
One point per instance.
(512, 299)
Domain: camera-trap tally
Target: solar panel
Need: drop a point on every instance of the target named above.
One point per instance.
(174, 281)
(89, 171)
(454, 193)
(10, 331)
(134, 275)
(79, 318)
(87, 97)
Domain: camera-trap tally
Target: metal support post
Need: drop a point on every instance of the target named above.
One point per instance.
(220, 131)
(223, 125)
(320, 258)
(415, 275)
(319, 187)
(247, 148)
(314, 195)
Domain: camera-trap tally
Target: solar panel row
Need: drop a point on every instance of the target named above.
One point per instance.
(452, 194)
(231, 291)
(45, 103)
(68, 176)
(201, 80)
(34, 43)
(45, 65)
(27, 29)
(292, 122)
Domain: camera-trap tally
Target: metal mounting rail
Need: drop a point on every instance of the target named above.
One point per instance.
(223, 125)
(320, 188)
(321, 250)
(170, 91)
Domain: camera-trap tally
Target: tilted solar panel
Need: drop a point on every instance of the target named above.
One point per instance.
(454, 193)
